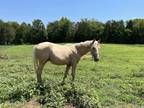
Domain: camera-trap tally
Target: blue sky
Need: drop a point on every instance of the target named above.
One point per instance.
(51, 10)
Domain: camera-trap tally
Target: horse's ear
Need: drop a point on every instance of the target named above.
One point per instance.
(93, 41)
(99, 40)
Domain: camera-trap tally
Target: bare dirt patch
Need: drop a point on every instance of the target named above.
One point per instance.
(32, 104)
(124, 106)
(68, 105)
(3, 57)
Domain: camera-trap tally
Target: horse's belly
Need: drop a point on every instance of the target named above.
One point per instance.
(60, 60)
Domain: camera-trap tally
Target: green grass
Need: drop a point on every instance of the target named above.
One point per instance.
(118, 78)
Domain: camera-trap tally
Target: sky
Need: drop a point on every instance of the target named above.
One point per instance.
(51, 10)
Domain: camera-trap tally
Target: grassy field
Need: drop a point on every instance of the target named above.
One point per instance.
(117, 79)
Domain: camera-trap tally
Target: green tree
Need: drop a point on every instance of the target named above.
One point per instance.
(138, 31)
(22, 34)
(60, 31)
(88, 29)
(114, 31)
(7, 33)
(136, 26)
(38, 32)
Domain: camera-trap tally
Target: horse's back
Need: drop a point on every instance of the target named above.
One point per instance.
(56, 53)
(43, 45)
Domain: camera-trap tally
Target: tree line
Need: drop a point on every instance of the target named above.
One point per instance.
(64, 30)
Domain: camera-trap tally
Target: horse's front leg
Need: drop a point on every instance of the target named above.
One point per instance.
(73, 71)
(66, 73)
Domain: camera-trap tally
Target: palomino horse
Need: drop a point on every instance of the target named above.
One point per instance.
(68, 55)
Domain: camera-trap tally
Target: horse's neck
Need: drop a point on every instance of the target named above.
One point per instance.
(82, 49)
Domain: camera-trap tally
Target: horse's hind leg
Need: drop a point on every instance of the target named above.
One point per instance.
(66, 72)
(39, 72)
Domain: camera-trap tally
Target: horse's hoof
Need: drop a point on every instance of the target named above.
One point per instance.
(40, 82)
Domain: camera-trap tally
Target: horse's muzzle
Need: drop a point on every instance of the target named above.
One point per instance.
(96, 60)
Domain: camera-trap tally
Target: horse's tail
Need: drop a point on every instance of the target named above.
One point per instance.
(35, 60)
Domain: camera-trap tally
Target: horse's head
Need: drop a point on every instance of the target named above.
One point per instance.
(95, 45)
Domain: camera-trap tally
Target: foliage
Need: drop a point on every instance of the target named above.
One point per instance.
(88, 29)
(38, 32)
(60, 31)
(22, 34)
(55, 96)
(114, 31)
(64, 30)
(7, 33)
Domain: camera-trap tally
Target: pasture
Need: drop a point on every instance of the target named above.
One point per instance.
(117, 79)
